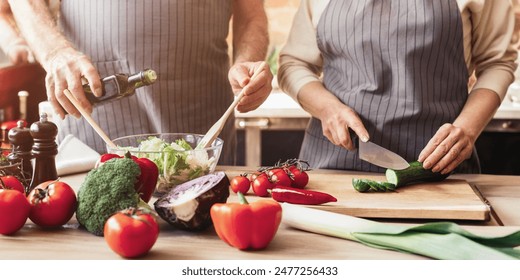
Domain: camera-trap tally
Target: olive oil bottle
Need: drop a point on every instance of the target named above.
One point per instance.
(120, 85)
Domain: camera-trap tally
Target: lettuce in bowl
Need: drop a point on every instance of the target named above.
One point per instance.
(175, 154)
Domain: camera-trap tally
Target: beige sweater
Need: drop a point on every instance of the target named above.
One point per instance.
(488, 49)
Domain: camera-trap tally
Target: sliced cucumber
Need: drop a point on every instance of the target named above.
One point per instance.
(360, 185)
(376, 186)
(366, 185)
(397, 178)
(389, 186)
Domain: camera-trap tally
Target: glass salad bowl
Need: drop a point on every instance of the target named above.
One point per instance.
(175, 154)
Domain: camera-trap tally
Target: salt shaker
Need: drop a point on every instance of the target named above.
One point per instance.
(21, 142)
(44, 151)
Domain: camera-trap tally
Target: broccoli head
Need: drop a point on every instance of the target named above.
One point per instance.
(106, 190)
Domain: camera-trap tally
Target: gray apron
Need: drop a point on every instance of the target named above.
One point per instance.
(183, 41)
(400, 66)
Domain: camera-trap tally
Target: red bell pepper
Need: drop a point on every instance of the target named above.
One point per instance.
(246, 226)
(299, 196)
(147, 181)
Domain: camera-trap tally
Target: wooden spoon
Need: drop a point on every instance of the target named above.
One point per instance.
(89, 119)
(215, 130)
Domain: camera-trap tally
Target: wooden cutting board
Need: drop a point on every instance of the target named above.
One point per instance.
(447, 200)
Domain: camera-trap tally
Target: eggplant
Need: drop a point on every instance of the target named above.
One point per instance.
(187, 206)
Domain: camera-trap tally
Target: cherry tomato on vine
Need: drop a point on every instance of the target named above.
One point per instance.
(14, 211)
(279, 177)
(11, 182)
(131, 232)
(299, 178)
(253, 176)
(261, 184)
(52, 204)
(240, 184)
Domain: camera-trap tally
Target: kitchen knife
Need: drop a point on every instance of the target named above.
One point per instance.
(380, 156)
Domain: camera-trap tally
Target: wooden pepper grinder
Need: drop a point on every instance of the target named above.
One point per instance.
(21, 142)
(44, 151)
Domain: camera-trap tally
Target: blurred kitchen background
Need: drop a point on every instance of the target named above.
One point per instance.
(275, 130)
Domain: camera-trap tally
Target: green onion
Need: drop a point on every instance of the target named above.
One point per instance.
(441, 240)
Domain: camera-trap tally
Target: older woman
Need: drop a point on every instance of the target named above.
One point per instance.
(396, 72)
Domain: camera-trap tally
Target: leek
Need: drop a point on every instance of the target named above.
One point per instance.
(441, 240)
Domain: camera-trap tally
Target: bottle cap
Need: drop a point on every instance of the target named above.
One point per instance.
(23, 93)
(149, 76)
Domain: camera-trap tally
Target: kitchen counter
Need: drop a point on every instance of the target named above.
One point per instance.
(69, 242)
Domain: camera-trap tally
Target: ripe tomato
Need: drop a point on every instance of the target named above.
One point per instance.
(131, 232)
(279, 177)
(253, 176)
(240, 184)
(11, 182)
(14, 210)
(52, 204)
(261, 184)
(298, 177)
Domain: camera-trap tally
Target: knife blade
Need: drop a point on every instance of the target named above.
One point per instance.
(377, 155)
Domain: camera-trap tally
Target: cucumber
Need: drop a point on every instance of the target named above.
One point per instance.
(389, 186)
(413, 174)
(398, 178)
(366, 185)
(360, 185)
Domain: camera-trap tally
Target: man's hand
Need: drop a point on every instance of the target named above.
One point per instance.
(257, 90)
(65, 68)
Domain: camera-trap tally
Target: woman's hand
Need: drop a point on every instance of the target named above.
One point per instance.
(65, 68)
(255, 91)
(449, 147)
(336, 117)
(336, 121)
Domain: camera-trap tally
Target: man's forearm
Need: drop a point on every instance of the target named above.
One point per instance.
(250, 37)
(39, 28)
(8, 32)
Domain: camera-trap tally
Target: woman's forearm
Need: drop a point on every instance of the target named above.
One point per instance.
(478, 111)
(316, 99)
(336, 118)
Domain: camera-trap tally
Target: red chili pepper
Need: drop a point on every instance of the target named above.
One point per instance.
(145, 185)
(299, 196)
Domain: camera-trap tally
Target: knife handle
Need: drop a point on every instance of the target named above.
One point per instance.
(354, 138)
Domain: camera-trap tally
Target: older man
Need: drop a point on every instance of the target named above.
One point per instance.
(184, 41)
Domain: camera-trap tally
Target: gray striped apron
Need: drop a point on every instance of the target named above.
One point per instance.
(183, 41)
(400, 66)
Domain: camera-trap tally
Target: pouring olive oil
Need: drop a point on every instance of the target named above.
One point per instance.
(120, 85)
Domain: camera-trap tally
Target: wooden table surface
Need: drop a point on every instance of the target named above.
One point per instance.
(71, 242)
